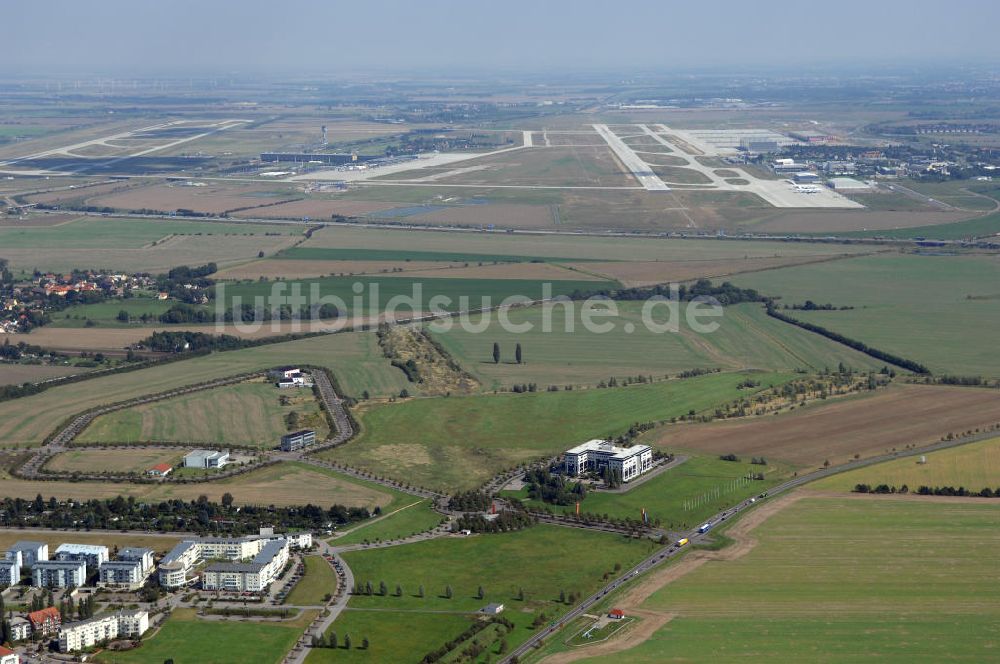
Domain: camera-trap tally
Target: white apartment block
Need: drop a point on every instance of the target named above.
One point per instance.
(8, 656)
(10, 568)
(59, 573)
(253, 576)
(92, 554)
(176, 567)
(20, 629)
(596, 455)
(30, 552)
(89, 633)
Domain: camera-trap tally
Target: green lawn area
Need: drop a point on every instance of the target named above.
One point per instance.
(407, 519)
(319, 580)
(570, 354)
(106, 313)
(502, 565)
(459, 442)
(189, 640)
(394, 636)
(248, 413)
(354, 357)
(842, 580)
(413, 294)
(974, 466)
(679, 498)
(918, 307)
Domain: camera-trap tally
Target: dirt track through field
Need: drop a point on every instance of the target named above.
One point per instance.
(631, 602)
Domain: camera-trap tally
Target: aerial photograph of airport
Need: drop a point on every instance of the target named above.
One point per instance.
(455, 332)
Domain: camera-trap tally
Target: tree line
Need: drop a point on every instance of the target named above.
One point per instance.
(924, 490)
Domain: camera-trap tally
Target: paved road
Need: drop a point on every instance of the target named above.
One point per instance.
(664, 555)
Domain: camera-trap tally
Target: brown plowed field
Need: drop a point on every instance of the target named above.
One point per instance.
(892, 418)
(15, 374)
(209, 200)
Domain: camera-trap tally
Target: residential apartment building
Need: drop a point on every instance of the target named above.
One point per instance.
(45, 621)
(20, 629)
(89, 633)
(59, 573)
(91, 554)
(8, 656)
(10, 568)
(31, 552)
(253, 576)
(176, 567)
(597, 455)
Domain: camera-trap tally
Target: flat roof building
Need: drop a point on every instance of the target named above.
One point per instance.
(31, 552)
(848, 185)
(253, 576)
(59, 573)
(297, 440)
(175, 568)
(10, 570)
(92, 554)
(597, 455)
(89, 633)
(206, 459)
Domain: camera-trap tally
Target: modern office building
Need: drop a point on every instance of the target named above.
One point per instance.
(297, 440)
(89, 633)
(597, 455)
(206, 459)
(59, 573)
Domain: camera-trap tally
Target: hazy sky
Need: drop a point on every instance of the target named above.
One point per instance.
(160, 36)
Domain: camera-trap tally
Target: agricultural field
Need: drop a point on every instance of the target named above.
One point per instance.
(836, 430)
(412, 292)
(354, 358)
(394, 636)
(939, 310)
(126, 460)
(135, 245)
(279, 484)
(836, 579)
(216, 199)
(397, 244)
(679, 498)
(16, 374)
(106, 313)
(973, 466)
(570, 354)
(502, 565)
(254, 413)
(413, 517)
(187, 639)
(459, 442)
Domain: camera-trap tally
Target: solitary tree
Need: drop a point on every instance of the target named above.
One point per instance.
(447, 592)
(347, 641)
(399, 590)
(517, 353)
(496, 353)
(332, 640)
(480, 593)
(420, 591)
(364, 643)
(227, 499)
(383, 589)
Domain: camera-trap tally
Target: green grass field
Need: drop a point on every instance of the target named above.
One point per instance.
(248, 413)
(918, 307)
(569, 354)
(416, 292)
(974, 466)
(187, 639)
(502, 565)
(104, 233)
(394, 636)
(318, 581)
(106, 313)
(354, 358)
(408, 519)
(842, 580)
(681, 497)
(458, 442)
